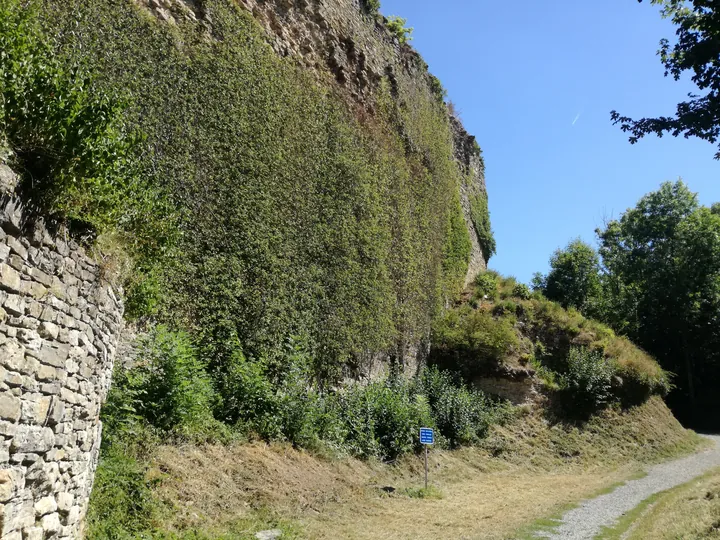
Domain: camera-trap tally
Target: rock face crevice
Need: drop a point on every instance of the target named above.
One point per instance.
(59, 323)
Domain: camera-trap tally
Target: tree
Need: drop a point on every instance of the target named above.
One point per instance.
(662, 267)
(574, 277)
(697, 50)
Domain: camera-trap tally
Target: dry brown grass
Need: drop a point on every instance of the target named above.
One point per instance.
(630, 357)
(522, 472)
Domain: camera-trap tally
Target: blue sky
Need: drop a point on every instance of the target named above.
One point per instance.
(520, 73)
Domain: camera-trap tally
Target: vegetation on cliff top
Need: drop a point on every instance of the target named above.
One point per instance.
(656, 280)
(581, 362)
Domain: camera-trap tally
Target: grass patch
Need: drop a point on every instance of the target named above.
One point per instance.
(431, 492)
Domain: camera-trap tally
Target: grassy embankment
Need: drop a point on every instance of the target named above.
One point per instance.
(522, 472)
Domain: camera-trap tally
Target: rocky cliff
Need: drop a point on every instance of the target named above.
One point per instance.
(302, 186)
(340, 41)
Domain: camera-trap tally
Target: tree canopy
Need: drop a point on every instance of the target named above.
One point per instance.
(658, 282)
(574, 278)
(697, 51)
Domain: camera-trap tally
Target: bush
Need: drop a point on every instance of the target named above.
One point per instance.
(506, 307)
(396, 25)
(486, 285)
(587, 382)
(480, 214)
(70, 141)
(640, 374)
(462, 416)
(471, 342)
(521, 291)
(122, 505)
(168, 389)
(371, 6)
(249, 401)
(384, 418)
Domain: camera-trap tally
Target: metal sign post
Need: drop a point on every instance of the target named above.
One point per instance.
(427, 437)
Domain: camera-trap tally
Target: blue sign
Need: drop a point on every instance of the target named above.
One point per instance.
(427, 436)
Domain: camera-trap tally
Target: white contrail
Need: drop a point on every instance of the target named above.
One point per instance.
(576, 119)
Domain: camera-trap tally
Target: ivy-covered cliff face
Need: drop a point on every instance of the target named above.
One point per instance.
(322, 203)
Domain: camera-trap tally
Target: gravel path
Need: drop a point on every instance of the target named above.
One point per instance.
(587, 520)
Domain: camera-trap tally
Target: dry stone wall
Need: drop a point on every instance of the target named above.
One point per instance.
(59, 323)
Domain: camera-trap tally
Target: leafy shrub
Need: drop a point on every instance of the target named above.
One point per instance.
(506, 307)
(437, 89)
(71, 143)
(471, 342)
(641, 375)
(462, 416)
(383, 418)
(587, 381)
(122, 505)
(168, 389)
(396, 25)
(371, 6)
(249, 400)
(522, 291)
(486, 285)
(480, 214)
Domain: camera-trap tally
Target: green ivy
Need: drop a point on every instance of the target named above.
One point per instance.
(480, 215)
(71, 145)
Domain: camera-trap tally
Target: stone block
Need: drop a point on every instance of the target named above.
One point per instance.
(7, 429)
(46, 373)
(9, 483)
(52, 389)
(15, 305)
(49, 314)
(48, 330)
(30, 338)
(34, 289)
(9, 278)
(33, 309)
(40, 276)
(34, 533)
(10, 407)
(17, 247)
(16, 516)
(35, 408)
(12, 356)
(16, 262)
(57, 412)
(64, 502)
(73, 515)
(51, 524)
(56, 454)
(53, 354)
(32, 439)
(46, 505)
(14, 380)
